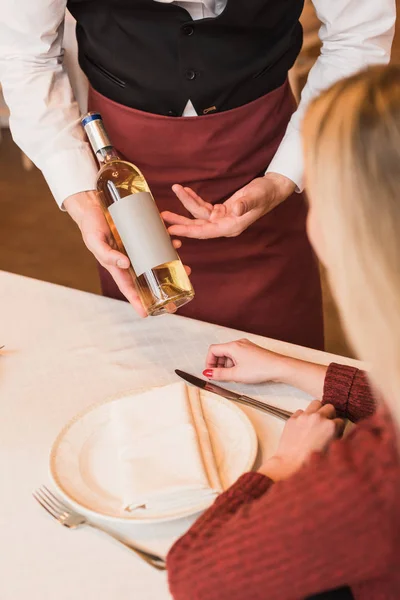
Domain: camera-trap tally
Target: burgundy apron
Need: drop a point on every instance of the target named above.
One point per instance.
(265, 281)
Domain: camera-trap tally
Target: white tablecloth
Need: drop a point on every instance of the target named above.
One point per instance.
(66, 350)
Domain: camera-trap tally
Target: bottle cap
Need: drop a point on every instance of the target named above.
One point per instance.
(94, 127)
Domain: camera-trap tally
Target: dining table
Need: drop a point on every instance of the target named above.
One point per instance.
(65, 350)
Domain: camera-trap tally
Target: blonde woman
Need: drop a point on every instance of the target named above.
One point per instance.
(322, 517)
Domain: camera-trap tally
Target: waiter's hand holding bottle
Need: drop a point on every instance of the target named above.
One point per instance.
(86, 210)
(233, 216)
(222, 220)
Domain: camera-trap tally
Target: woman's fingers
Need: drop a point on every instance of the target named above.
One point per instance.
(221, 373)
(214, 361)
(297, 413)
(216, 352)
(313, 407)
(328, 411)
(224, 362)
(339, 426)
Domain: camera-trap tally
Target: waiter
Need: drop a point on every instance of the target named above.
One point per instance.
(195, 93)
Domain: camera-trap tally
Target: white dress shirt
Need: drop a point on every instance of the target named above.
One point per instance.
(45, 118)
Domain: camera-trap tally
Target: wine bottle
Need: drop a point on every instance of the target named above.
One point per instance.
(137, 226)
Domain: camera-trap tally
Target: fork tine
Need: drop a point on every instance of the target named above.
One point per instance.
(45, 506)
(55, 498)
(52, 499)
(48, 502)
(60, 512)
(42, 496)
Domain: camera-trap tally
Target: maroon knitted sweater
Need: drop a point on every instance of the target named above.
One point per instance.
(335, 523)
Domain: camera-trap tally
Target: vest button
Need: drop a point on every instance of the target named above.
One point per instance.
(190, 74)
(188, 30)
(172, 113)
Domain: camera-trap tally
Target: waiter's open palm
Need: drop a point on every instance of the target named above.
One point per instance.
(230, 218)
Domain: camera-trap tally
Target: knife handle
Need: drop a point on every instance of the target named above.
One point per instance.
(273, 410)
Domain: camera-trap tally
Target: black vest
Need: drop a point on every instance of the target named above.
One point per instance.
(152, 56)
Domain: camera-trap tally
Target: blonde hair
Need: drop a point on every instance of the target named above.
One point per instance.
(352, 156)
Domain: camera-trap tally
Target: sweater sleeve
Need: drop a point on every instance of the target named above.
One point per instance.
(349, 391)
(327, 526)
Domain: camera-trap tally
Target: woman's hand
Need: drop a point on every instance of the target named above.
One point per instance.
(305, 432)
(245, 362)
(233, 216)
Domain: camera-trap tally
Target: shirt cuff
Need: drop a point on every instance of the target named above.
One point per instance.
(70, 172)
(288, 160)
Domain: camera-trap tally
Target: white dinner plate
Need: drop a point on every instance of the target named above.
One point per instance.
(85, 473)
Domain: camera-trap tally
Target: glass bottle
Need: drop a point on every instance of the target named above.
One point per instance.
(137, 226)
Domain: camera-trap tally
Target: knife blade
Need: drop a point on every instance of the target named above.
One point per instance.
(234, 396)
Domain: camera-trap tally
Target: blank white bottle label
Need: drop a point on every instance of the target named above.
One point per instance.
(142, 232)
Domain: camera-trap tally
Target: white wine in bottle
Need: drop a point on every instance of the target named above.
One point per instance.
(137, 226)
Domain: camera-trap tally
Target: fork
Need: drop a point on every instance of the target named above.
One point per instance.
(69, 518)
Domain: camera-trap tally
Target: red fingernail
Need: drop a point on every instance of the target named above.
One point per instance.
(208, 373)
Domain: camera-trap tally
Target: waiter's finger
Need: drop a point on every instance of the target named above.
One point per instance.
(245, 200)
(174, 219)
(245, 204)
(219, 212)
(224, 226)
(197, 198)
(104, 253)
(200, 232)
(228, 226)
(192, 202)
(125, 284)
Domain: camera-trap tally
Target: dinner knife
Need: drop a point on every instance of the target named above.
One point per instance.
(234, 396)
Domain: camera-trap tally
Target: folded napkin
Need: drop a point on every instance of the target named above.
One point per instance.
(165, 455)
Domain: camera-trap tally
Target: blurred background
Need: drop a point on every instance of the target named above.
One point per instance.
(38, 240)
